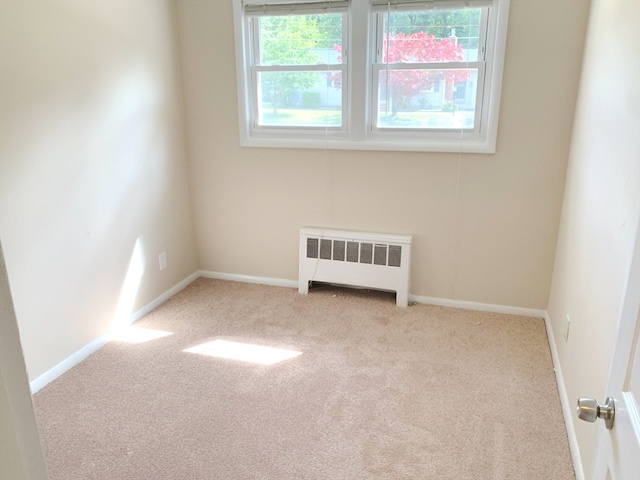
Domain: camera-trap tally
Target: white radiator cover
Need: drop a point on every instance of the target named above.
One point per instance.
(371, 260)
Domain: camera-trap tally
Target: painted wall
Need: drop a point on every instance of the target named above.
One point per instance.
(92, 163)
(601, 207)
(484, 226)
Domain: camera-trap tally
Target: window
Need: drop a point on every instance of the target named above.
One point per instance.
(370, 74)
(296, 68)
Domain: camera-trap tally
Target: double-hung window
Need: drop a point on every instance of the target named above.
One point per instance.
(421, 75)
(296, 68)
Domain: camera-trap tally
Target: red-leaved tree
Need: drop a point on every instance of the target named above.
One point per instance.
(418, 47)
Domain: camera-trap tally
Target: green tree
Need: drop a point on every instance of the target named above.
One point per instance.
(329, 30)
(287, 40)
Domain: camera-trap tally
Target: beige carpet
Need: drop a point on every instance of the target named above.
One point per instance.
(379, 392)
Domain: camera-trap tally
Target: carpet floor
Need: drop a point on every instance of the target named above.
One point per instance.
(378, 392)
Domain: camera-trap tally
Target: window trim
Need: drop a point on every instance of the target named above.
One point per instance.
(358, 132)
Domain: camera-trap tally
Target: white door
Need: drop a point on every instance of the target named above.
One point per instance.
(618, 454)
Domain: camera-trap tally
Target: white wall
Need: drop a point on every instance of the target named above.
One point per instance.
(92, 160)
(601, 207)
(484, 226)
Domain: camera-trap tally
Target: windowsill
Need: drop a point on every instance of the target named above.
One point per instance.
(471, 146)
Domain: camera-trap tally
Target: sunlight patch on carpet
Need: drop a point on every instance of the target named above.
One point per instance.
(138, 334)
(244, 352)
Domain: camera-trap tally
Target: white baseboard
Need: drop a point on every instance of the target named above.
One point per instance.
(481, 307)
(567, 406)
(164, 297)
(69, 362)
(74, 359)
(232, 277)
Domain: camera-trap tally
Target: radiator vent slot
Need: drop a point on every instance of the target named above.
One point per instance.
(366, 252)
(395, 253)
(312, 247)
(325, 249)
(338, 250)
(353, 252)
(355, 258)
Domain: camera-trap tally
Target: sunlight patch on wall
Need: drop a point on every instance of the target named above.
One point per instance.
(138, 334)
(244, 352)
(124, 309)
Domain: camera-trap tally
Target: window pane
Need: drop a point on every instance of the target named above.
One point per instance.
(301, 39)
(432, 99)
(300, 99)
(431, 36)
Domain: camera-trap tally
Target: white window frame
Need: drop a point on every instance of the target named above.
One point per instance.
(361, 65)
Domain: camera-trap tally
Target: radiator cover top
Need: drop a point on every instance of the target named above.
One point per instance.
(362, 259)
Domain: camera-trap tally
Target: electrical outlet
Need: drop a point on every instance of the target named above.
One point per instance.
(567, 325)
(163, 260)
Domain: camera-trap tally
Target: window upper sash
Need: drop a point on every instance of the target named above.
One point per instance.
(385, 5)
(259, 8)
(293, 7)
